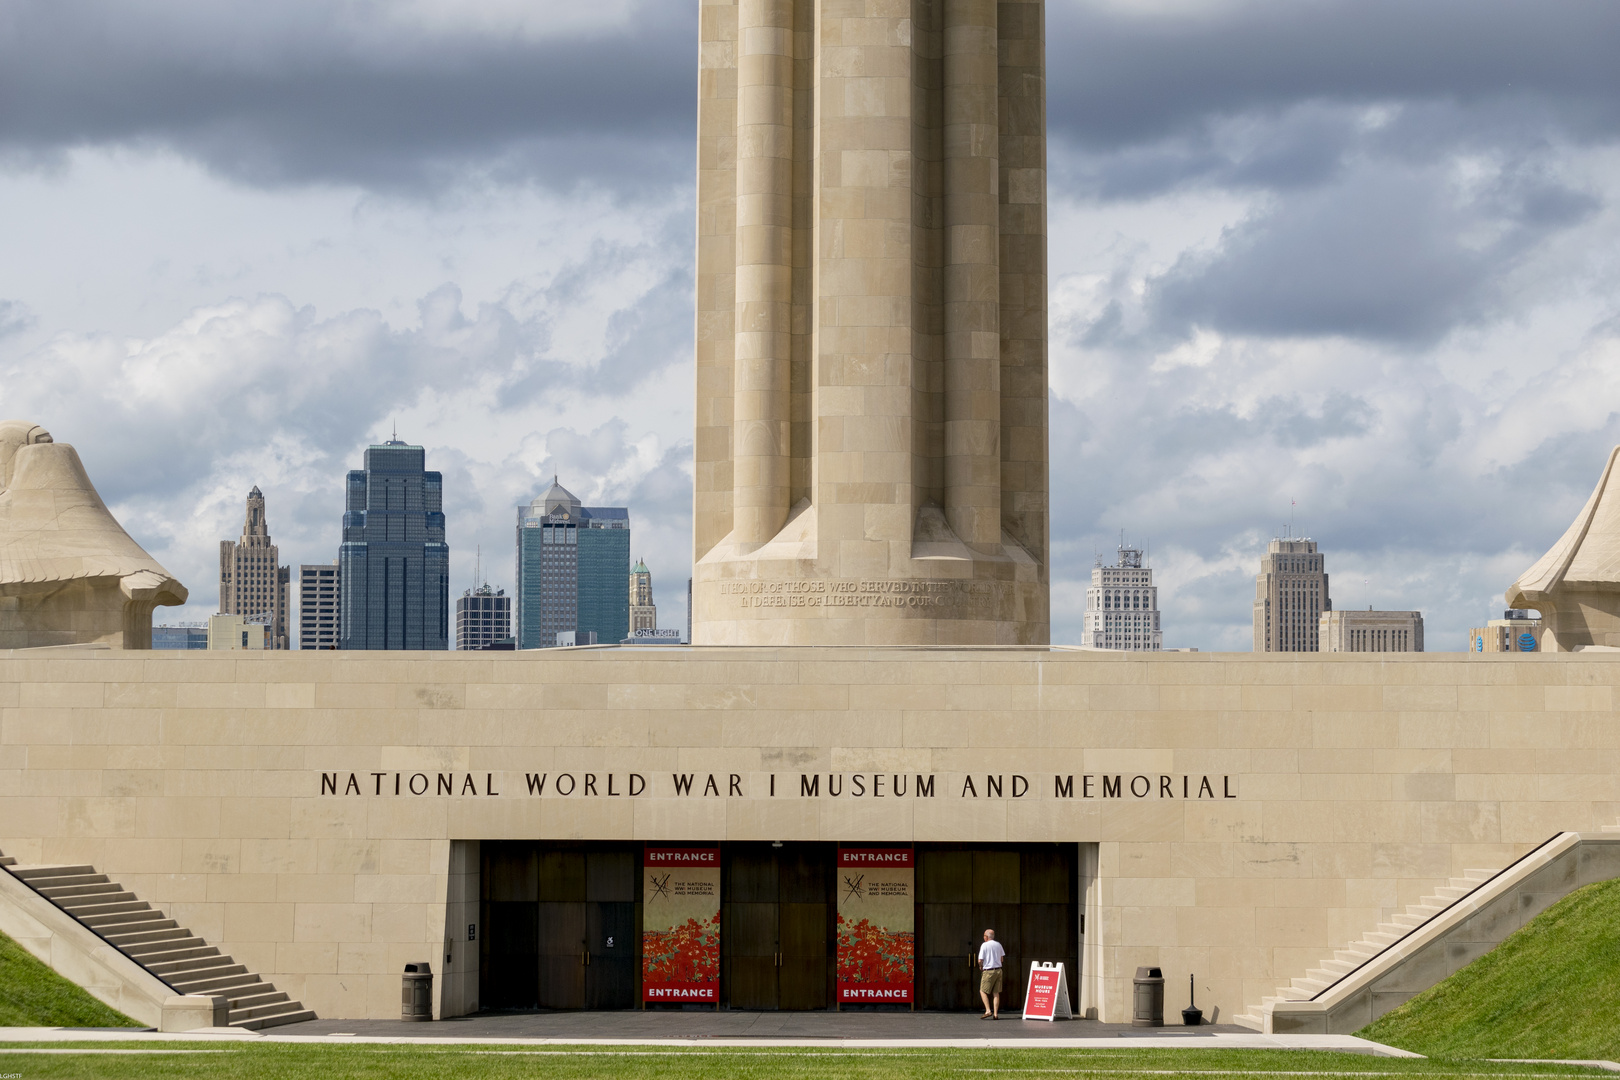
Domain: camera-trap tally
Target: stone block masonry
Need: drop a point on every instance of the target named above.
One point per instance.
(316, 815)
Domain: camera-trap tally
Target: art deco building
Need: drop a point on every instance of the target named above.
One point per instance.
(1290, 595)
(571, 566)
(643, 612)
(1371, 631)
(251, 582)
(320, 619)
(1122, 606)
(394, 565)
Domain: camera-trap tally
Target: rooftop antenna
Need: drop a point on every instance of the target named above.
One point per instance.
(478, 566)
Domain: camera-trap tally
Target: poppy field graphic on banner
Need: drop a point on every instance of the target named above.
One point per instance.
(680, 936)
(877, 940)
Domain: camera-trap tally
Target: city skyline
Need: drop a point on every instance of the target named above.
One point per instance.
(297, 615)
(252, 291)
(1303, 550)
(1287, 542)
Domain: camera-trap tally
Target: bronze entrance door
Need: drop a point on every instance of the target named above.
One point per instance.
(612, 940)
(560, 926)
(777, 926)
(508, 947)
(1027, 893)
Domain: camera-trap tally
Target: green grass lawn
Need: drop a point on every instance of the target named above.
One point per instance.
(1552, 990)
(32, 995)
(326, 1062)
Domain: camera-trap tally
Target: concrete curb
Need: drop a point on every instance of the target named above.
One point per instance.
(1223, 1041)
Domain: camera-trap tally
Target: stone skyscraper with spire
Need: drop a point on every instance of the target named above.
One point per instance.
(643, 612)
(252, 583)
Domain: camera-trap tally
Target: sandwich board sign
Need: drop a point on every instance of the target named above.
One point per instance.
(1046, 993)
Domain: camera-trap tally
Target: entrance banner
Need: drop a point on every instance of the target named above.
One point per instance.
(1046, 994)
(680, 935)
(877, 940)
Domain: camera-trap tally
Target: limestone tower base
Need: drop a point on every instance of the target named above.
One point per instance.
(871, 449)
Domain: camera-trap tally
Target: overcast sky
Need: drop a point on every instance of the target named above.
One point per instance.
(1354, 261)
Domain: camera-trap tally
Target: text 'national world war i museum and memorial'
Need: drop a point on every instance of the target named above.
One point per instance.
(870, 753)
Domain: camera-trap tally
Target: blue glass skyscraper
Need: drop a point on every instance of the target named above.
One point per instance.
(572, 567)
(394, 564)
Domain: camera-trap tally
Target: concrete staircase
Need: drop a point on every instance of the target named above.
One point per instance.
(1357, 954)
(183, 961)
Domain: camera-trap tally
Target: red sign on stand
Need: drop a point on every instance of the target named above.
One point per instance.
(876, 926)
(1046, 996)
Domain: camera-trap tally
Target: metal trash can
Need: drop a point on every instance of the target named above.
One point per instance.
(416, 992)
(1147, 1002)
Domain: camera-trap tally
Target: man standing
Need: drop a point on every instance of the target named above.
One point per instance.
(990, 957)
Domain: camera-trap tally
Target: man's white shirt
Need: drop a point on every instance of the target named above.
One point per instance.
(990, 954)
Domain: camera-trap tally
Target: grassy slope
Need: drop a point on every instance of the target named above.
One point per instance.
(1552, 990)
(32, 995)
(372, 1062)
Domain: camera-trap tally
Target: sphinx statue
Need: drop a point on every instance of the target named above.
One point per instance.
(69, 573)
(1576, 585)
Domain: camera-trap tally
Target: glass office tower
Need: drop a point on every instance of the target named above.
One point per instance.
(571, 567)
(394, 566)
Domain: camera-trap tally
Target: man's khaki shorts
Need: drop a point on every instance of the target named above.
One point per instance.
(990, 981)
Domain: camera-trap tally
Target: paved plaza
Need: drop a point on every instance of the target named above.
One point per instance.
(728, 1024)
(699, 1029)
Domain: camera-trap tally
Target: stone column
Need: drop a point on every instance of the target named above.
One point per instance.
(871, 427)
(716, 275)
(762, 437)
(1023, 397)
(972, 275)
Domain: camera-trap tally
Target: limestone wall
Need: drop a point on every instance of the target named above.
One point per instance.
(1269, 808)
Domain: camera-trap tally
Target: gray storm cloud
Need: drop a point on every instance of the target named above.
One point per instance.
(301, 91)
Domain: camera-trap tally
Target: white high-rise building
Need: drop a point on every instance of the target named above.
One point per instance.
(320, 622)
(483, 617)
(1122, 606)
